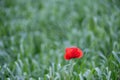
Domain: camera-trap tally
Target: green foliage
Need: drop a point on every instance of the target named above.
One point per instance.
(35, 33)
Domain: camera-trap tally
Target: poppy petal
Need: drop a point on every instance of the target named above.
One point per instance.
(67, 55)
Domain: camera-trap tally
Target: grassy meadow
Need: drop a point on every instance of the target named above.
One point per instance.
(35, 33)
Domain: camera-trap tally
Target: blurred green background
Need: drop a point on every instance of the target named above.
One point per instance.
(35, 33)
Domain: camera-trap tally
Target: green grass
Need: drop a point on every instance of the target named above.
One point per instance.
(35, 33)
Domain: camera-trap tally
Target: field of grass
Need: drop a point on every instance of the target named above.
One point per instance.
(35, 33)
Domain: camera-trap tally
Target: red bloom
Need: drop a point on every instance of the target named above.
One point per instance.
(73, 52)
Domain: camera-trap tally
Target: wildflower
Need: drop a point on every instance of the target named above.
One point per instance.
(73, 52)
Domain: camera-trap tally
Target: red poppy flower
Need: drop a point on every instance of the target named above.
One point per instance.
(73, 52)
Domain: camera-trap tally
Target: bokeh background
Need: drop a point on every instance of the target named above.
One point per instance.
(35, 33)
